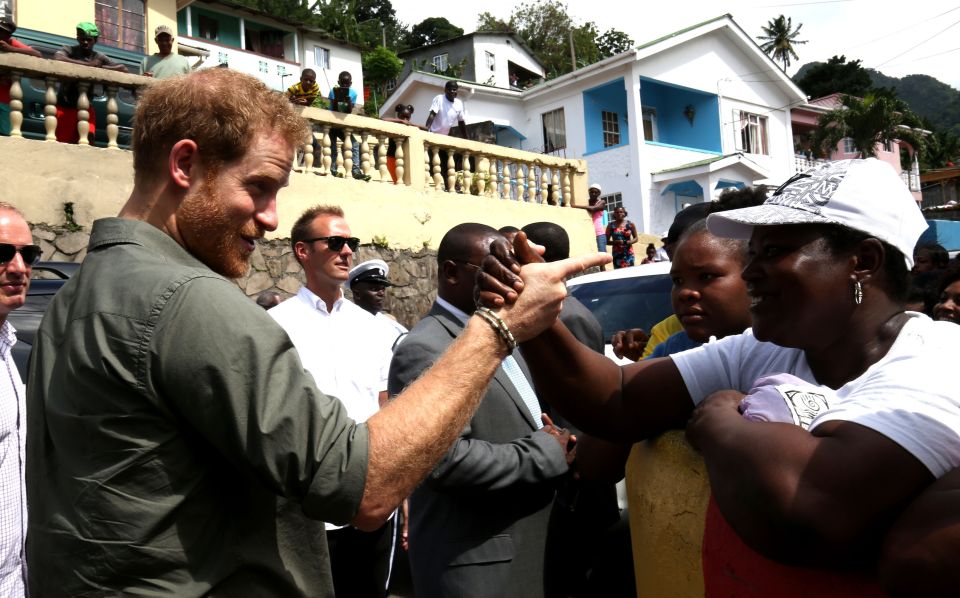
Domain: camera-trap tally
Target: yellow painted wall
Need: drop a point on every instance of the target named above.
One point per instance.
(54, 16)
(160, 12)
(61, 16)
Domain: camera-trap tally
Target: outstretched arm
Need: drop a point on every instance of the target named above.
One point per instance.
(408, 436)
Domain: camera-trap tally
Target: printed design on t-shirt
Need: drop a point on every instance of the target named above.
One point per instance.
(804, 404)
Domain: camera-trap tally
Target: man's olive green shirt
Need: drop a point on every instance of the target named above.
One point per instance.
(176, 441)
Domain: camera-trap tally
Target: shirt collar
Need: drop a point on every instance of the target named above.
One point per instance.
(459, 313)
(8, 338)
(319, 304)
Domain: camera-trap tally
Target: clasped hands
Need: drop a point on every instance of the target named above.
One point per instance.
(527, 291)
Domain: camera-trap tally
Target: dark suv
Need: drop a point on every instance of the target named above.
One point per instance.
(47, 279)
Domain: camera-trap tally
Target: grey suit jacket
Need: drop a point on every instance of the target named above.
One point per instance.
(478, 523)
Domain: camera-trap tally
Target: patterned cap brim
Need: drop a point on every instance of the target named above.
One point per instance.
(738, 224)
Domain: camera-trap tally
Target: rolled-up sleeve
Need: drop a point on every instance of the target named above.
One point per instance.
(223, 365)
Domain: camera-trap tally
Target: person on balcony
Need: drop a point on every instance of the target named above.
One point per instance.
(304, 92)
(8, 44)
(164, 63)
(450, 110)
(447, 110)
(84, 55)
(343, 98)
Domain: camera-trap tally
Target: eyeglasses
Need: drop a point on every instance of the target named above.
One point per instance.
(337, 243)
(31, 253)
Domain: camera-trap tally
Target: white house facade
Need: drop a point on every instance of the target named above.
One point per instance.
(672, 122)
(273, 50)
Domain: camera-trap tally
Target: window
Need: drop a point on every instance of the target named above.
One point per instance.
(491, 61)
(751, 133)
(268, 42)
(391, 85)
(650, 124)
(611, 128)
(614, 201)
(849, 147)
(209, 28)
(440, 63)
(554, 131)
(321, 57)
(121, 24)
(888, 146)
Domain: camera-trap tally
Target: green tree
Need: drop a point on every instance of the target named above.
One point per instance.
(487, 22)
(430, 31)
(379, 66)
(546, 27)
(943, 149)
(362, 22)
(613, 42)
(875, 119)
(780, 38)
(836, 75)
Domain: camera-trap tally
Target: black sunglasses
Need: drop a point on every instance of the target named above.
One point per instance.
(337, 243)
(31, 253)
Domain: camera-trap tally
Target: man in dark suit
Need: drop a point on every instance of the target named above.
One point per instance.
(588, 544)
(478, 523)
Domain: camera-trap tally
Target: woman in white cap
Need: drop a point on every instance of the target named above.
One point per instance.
(827, 272)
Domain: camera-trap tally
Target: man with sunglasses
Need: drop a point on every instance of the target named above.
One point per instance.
(18, 254)
(347, 350)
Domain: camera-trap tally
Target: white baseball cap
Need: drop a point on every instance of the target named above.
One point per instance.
(865, 195)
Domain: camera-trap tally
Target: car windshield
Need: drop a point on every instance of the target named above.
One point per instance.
(623, 303)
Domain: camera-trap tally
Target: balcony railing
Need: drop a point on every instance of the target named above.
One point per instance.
(344, 143)
(24, 70)
(422, 160)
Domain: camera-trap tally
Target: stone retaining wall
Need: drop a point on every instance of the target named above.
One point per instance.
(273, 267)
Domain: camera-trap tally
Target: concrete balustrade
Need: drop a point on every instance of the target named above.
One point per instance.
(18, 68)
(448, 164)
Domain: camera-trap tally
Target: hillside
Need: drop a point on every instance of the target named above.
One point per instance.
(927, 97)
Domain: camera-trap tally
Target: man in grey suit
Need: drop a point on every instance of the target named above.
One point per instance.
(478, 523)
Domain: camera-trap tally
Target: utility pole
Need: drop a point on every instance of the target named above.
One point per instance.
(573, 52)
(383, 31)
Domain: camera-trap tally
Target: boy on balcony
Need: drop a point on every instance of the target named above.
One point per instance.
(84, 55)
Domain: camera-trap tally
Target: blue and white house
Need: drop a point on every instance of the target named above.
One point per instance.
(669, 123)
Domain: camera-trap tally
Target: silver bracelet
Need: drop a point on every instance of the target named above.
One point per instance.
(499, 326)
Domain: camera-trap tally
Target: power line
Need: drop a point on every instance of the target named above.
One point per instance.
(924, 57)
(803, 3)
(917, 45)
(904, 29)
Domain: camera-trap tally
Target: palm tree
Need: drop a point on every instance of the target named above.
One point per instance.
(876, 119)
(780, 39)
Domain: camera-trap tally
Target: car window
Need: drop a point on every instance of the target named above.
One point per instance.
(619, 304)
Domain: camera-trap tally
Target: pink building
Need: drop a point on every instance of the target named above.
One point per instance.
(804, 122)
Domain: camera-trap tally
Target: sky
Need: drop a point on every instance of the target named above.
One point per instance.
(896, 38)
